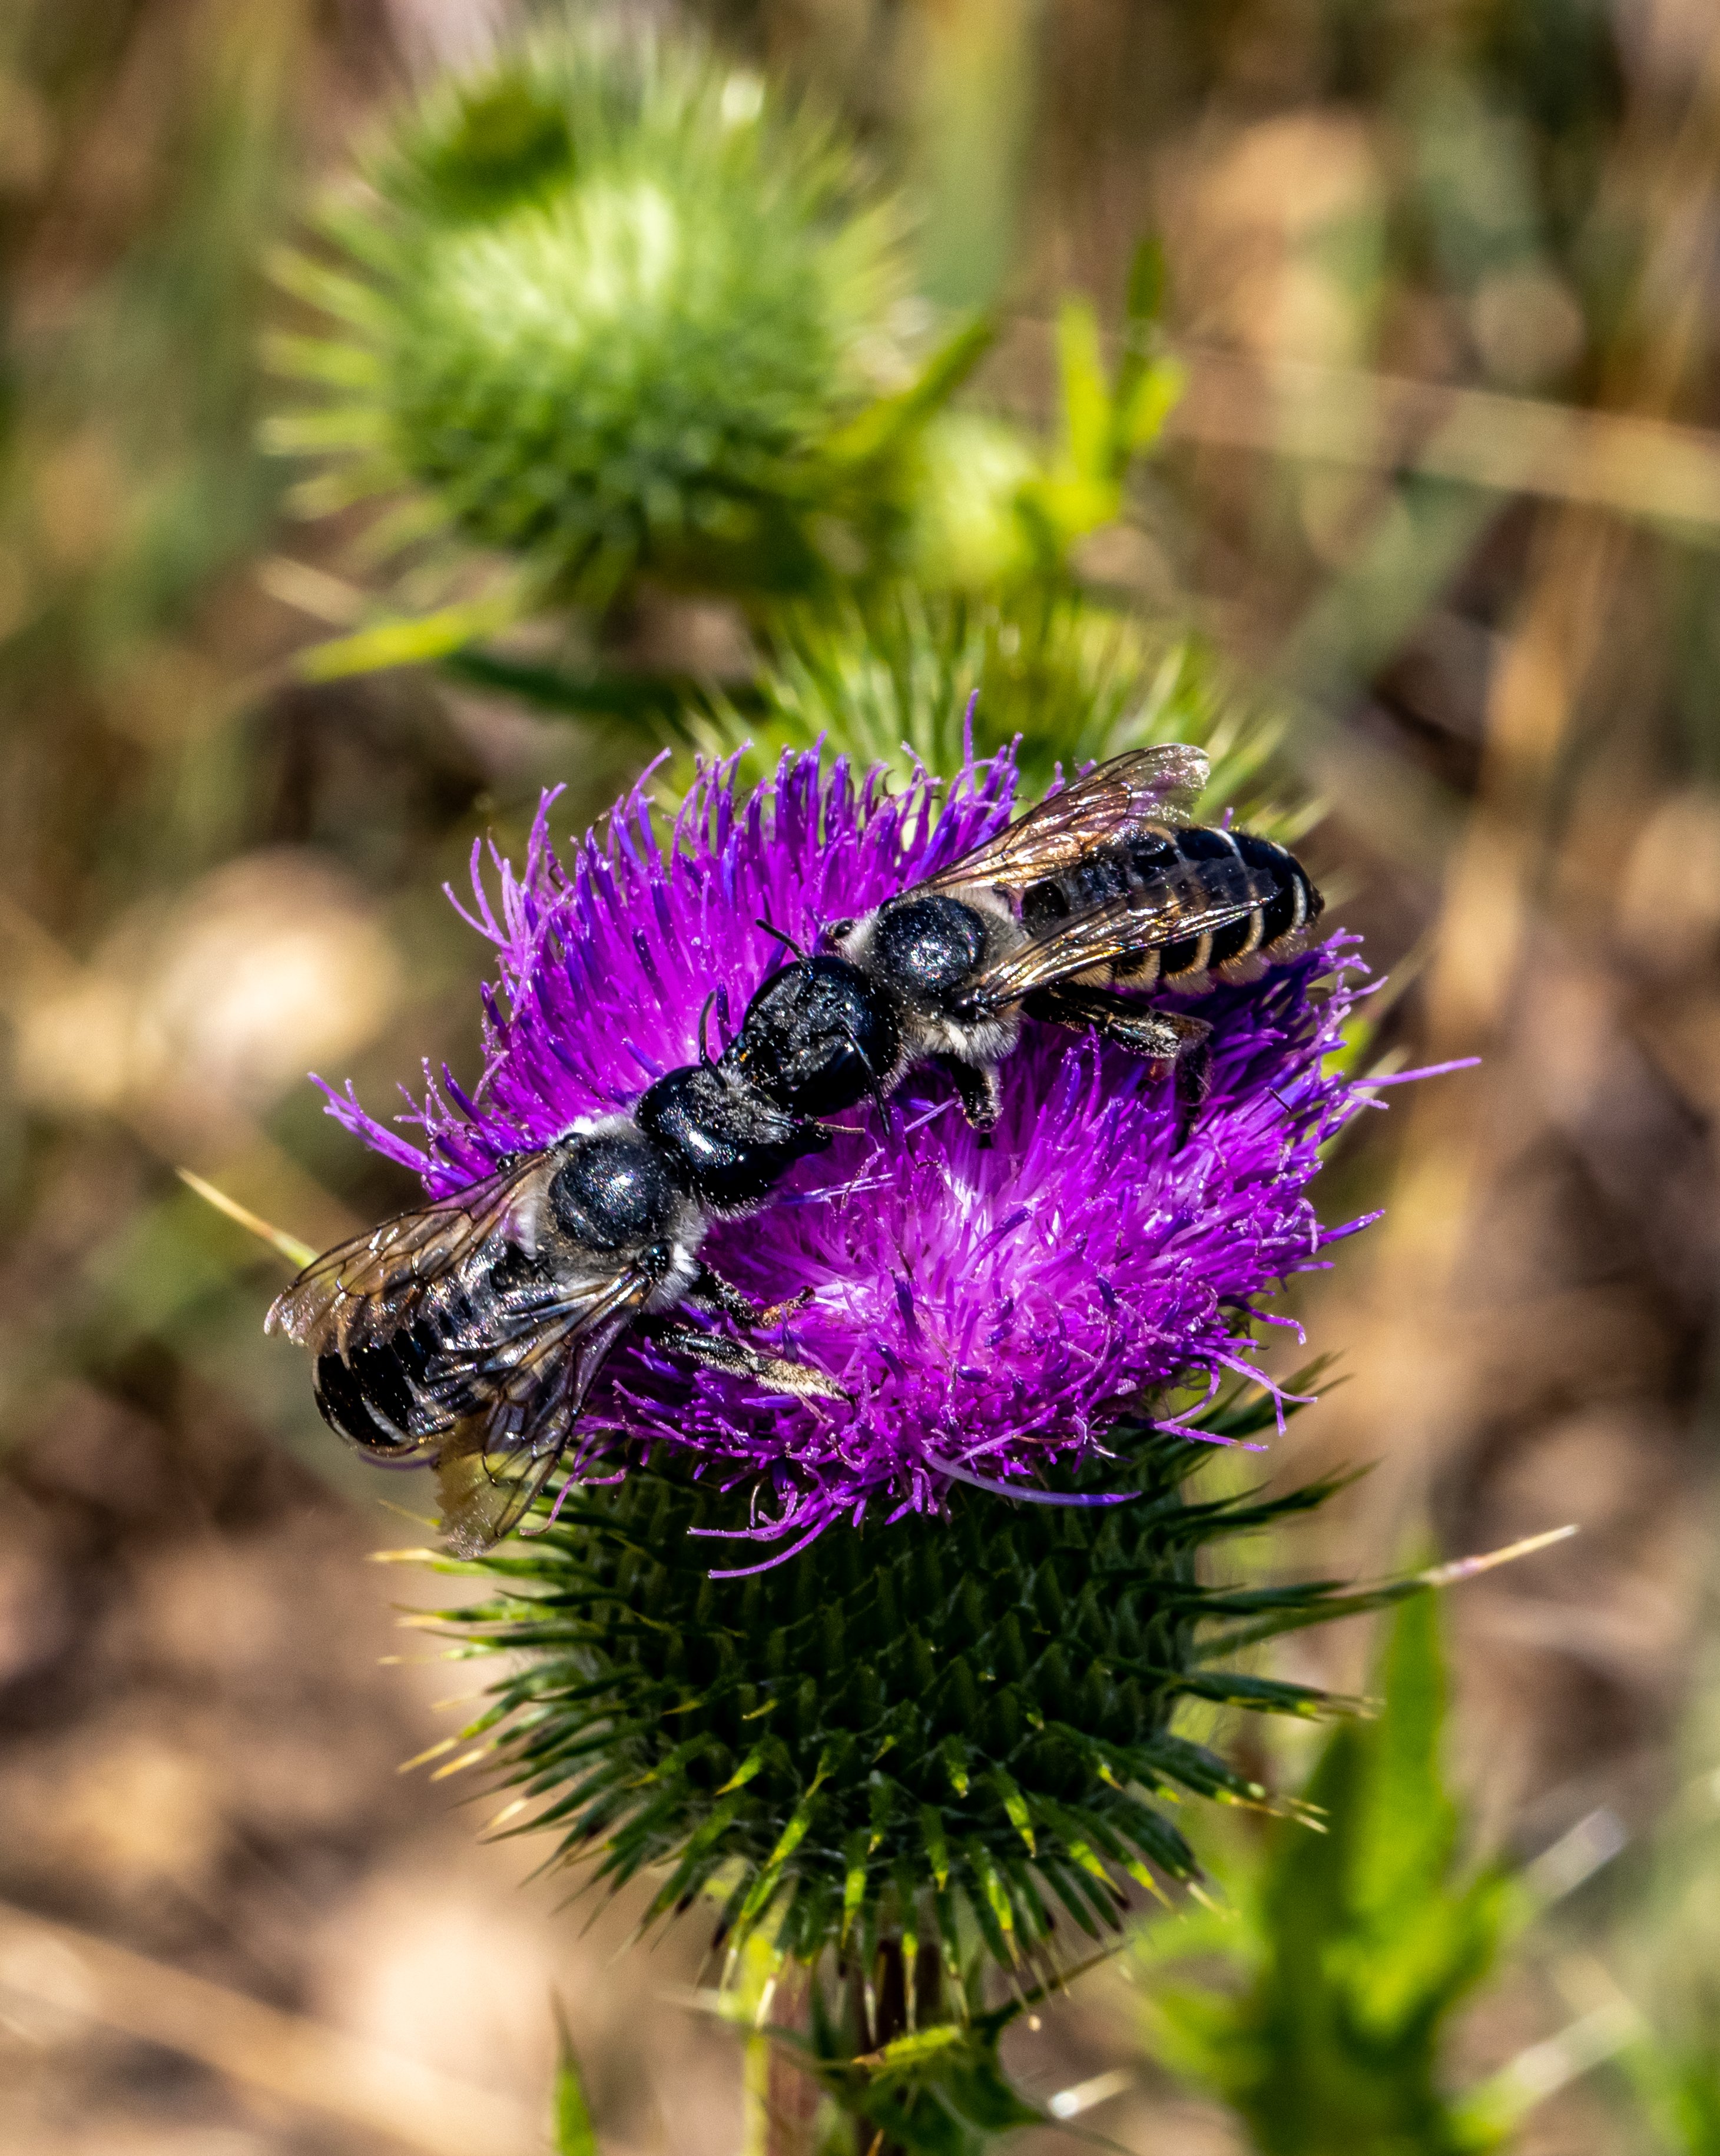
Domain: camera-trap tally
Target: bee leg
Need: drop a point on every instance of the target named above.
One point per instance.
(711, 1291)
(715, 1351)
(1165, 1037)
(1136, 1027)
(1193, 1070)
(978, 1089)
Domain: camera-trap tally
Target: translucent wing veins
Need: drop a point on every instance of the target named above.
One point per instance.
(365, 1289)
(1100, 808)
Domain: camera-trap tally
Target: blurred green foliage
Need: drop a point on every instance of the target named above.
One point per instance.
(990, 507)
(612, 311)
(1680, 2092)
(572, 2133)
(1350, 1947)
(129, 485)
(1665, 1947)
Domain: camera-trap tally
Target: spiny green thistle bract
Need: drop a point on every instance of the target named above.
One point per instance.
(609, 307)
(1067, 681)
(937, 1728)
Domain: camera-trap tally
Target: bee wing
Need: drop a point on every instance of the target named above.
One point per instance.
(365, 1289)
(1144, 786)
(484, 1499)
(491, 1463)
(1210, 895)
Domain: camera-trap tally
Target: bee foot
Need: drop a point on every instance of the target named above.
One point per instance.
(774, 1313)
(717, 1351)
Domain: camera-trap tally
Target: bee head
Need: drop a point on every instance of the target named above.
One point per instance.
(818, 1036)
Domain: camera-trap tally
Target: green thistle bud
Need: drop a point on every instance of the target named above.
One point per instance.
(952, 1732)
(1063, 679)
(609, 308)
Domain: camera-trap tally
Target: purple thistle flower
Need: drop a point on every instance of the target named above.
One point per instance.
(990, 1304)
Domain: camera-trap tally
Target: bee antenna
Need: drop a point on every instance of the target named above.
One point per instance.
(703, 1020)
(770, 928)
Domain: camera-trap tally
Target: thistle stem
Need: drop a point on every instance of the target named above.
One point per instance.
(782, 2098)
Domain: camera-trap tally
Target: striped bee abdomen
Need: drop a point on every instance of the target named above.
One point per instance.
(1271, 931)
(375, 1394)
(1297, 904)
(391, 1395)
(1133, 868)
(1186, 871)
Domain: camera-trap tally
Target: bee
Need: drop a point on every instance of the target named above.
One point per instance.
(1107, 882)
(468, 1332)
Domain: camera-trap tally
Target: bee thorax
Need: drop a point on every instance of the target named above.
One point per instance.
(613, 1190)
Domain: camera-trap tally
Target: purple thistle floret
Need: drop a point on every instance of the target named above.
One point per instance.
(992, 1305)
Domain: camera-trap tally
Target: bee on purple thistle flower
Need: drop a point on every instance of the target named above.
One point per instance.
(963, 1288)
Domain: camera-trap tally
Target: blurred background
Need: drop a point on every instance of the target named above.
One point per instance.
(1444, 278)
